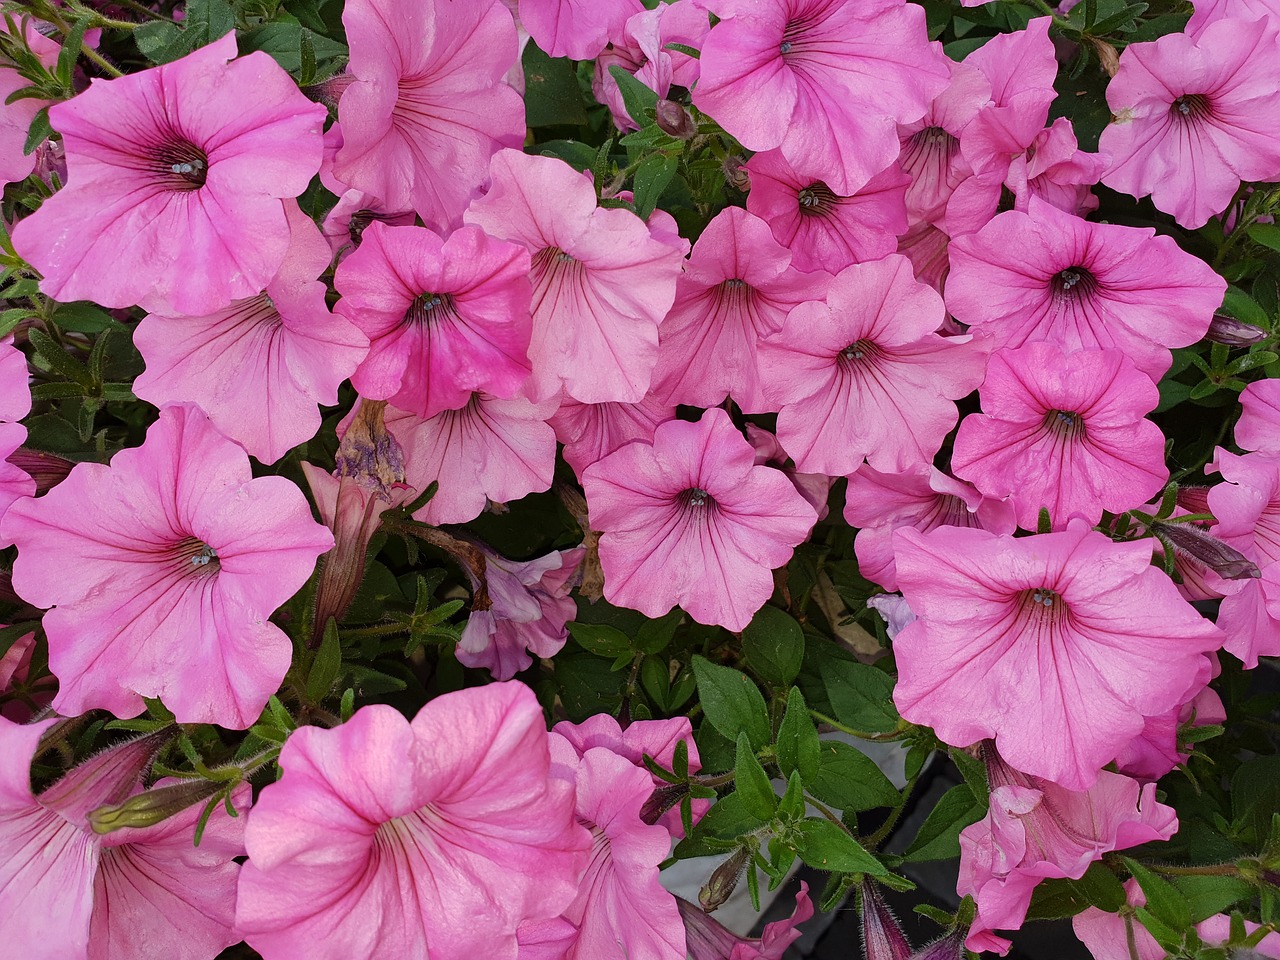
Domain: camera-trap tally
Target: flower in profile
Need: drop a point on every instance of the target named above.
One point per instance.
(1259, 425)
(176, 177)
(814, 487)
(428, 106)
(435, 837)
(1037, 830)
(602, 278)
(826, 83)
(592, 431)
(1161, 746)
(165, 587)
(444, 317)
(1194, 117)
(16, 117)
(863, 376)
(1046, 275)
(691, 520)
(579, 29)
(1058, 646)
(708, 939)
(259, 367)
(641, 51)
(15, 403)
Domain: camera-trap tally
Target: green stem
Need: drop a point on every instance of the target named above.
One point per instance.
(886, 828)
(860, 734)
(377, 630)
(103, 63)
(1216, 870)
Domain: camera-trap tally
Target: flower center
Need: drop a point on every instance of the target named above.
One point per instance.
(817, 199)
(427, 307)
(1190, 107)
(695, 497)
(182, 165)
(194, 556)
(857, 353)
(1073, 283)
(1065, 424)
(1042, 607)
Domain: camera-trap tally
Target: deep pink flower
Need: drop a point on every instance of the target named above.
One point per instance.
(602, 279)
(1044, 275)
(67, 893)
(259, 367)
(736, 290)
(444, 317)
(824, 231)
(1194, 117)
(489, 450)
(164, 587)
(707, 939)
(1058, 645)
(863, 375)
(428, 106)
(1259, 425)
(640, 49)
(1037, 830)
(690, 520)
(398, 839)
(592, 431)
(824, 81)
(1063, 430)
(176, 176)
(576, 28)
(16, 118)
(922, 497)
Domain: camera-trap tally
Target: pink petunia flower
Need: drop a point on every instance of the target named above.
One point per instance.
(927, 246)
(435, 837)
(164, 587)
(20, 699)
(15, 403)
(863, 375)
(444, 317)
(641, 51)
(1195, 117)
(1063, 430)
(176, 177)
(708, 940)
(736, 290)
(1037, 830)
(259, 367)
(824, 81)
(1259, 425)
(16, 118)
(592, 431)
(68, 893)
(1058, 646)
(1046, 275)
(922, 497)
(690, 520)
(345, 224)
(1211, 11)
(579, 29)
(602, 279)
(1159, 748)
(428, 106)
(814, 487)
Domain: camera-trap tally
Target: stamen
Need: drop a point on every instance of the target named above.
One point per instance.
(696, 497)
(427, 307)
(785, 48)
(1073, 283)
(182, 165)
(817, 199)
(1191, 106)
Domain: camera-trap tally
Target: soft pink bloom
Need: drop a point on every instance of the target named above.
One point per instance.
(1037, 830)
(576, 28)
(391, 838)
(814, 487)
(345, 224)
(67, 893)
(640, 50)
(1259, 425)
(824, 81)
(736, 289)
(922, 497)
(691, 520)
(927, 246)
(15, 403)
(1217, 930)
(1158, 749)
(1194, 117)
(16, 117)
(1057, 645)
(602, 278)
(164, 588)
(707, 939)
(444, 317)
(1045, 274)
(489, 450)
(592, 431)
(259, 367)
(428, 106)
(1063, 430)
(176, 176)
(521, 608)
(863, 375)
(822, 230)
(1211, 11)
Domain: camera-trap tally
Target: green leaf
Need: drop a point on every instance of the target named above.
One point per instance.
(850, 780)
(752, 783)
(939, 835)
(1243, 307)
(732, 703)
(773, 644)
(72, 44)
(206, 21)
(974, 772)
(639, 100)
(824, 845)
(58, 360)
(1267, 234)
(85, 317)
(861, 696)
(38, 133)
(651, 178)
(1058, 899)
(1209, 896)
(551, 93)
(603, 641)
(1250, 361)
(1164, 901)
(654, 635)
(283, 41)
(327, 664)
(799, 749)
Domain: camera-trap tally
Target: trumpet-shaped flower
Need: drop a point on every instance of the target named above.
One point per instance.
(1259, 425)
(708, 939)
(165, 587)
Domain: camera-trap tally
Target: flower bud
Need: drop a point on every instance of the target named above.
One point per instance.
(330, 91)
(1226, 561)
(105, 778)
(46, 469)
(735, 173)
(661, 800)
(674, 120)
(152, 806)
(881, 936)
(1233, 332)
(948, 948)
(716, 891)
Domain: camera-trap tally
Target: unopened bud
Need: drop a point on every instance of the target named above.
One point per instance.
(1226, 561)
(662, 800)
(1233, 332)
(330, 91)
(105, 778)
(724, 879)
(152, 806)
(1194, 499)
(46, 469)
(881, 935)
(735, 173)
(674, 120)
(948, 948)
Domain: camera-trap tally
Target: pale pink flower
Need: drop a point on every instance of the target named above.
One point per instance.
(16, 117)
(824, 81)
(922, 497)
(1259, 425)
(707, 939)
(824, 231)
(259, 367)
(1046, 275)
(68, 893)
(641, 51)
(736, 290)
(488, 450)
(176, 176)
(428, 106)
(1037, 830)
(592, 431)
(1158, 749)
(164, 588)
(894, 611)
(863, 375)
(1063, 430)
(576, 28)
(1057, 645)
(1211, 11)
(444, 317)
(391, 838)
(602, 278)
(1195, 117)
(691, 520)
